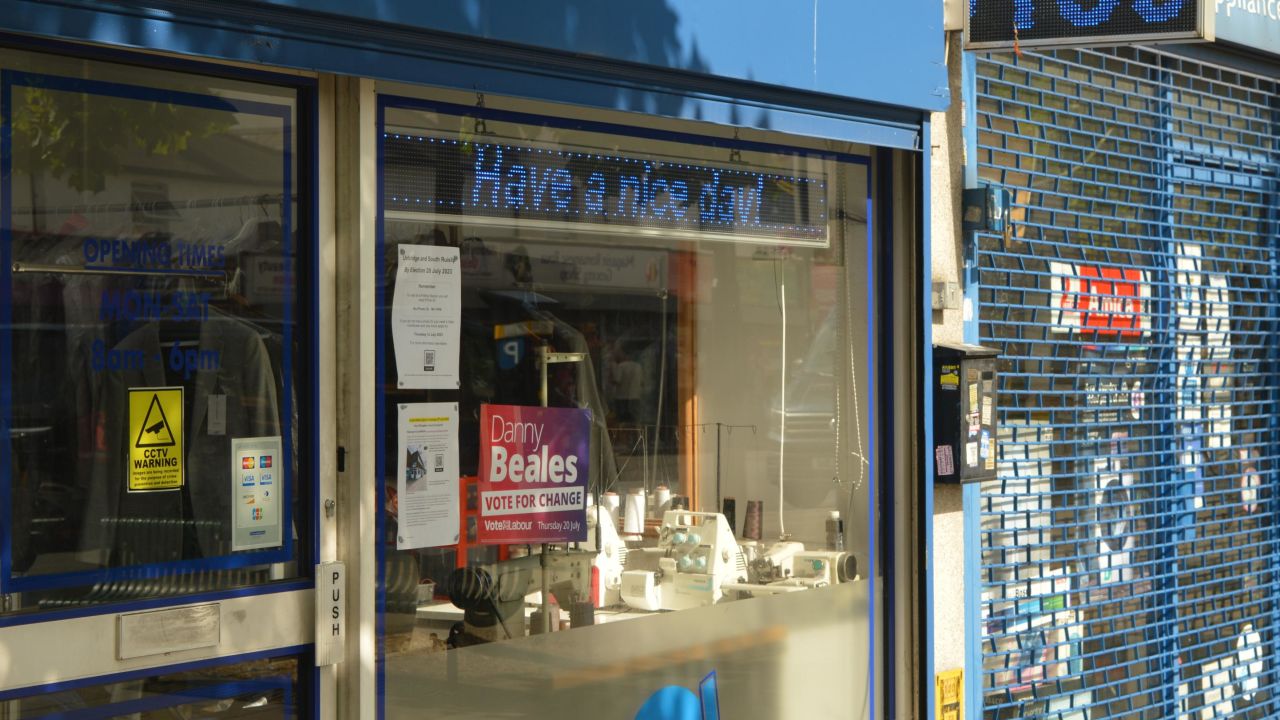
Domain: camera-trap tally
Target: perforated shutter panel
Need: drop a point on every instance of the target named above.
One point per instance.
(1129, 544)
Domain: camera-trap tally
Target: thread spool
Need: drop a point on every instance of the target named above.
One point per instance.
(535, 623)
(662, 500)
(611, 501)
(753, 524)
(582, 614)
(633, 516)
(729, 509)
(835, 531)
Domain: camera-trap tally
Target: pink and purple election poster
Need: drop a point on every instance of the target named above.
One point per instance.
(534, 464)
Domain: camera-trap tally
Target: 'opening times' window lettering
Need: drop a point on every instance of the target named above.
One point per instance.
(445, 175)
(164, 258)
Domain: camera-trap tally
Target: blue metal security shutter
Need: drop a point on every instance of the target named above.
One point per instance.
(1129, 545)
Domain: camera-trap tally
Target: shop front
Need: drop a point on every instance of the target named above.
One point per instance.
(463, 365)
(1122, 557)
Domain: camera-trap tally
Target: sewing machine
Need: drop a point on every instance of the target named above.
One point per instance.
(696, 555)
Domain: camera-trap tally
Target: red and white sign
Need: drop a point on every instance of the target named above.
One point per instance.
(1107, 301)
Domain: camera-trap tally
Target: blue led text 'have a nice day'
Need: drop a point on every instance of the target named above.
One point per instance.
(590, 187)
(526, 186)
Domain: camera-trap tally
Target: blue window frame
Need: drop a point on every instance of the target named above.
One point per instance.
(278, 284)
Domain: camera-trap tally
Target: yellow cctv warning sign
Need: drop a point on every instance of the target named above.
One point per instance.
(155, 439)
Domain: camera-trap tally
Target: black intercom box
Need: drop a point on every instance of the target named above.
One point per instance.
(964, 413)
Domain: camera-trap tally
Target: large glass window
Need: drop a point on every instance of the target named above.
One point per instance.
(625, 387)
(148, 331)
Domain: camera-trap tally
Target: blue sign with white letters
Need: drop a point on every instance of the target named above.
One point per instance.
(510, 353)
(1000, 23)
(1251, 23)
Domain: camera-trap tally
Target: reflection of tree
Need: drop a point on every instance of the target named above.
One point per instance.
(82, 138)
(641, 31)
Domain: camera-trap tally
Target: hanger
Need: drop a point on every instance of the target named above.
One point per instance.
(264, 231)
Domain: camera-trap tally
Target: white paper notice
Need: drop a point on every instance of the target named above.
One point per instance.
(427, 476)
(426, 317)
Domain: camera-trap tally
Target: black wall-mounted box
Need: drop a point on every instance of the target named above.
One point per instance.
(965, 392)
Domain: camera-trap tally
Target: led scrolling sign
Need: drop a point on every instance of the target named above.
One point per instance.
(504, 183)
(995, 24)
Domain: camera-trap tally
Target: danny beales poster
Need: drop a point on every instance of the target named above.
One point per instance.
(533, 474)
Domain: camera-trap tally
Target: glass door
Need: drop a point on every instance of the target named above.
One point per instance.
(154, 365)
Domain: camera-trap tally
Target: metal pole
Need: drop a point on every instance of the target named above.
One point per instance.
(545, 358)
(542, 371)
(546, 571)
(719, 500)
(546, 597)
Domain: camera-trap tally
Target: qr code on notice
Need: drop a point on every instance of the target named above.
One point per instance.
(428, 360)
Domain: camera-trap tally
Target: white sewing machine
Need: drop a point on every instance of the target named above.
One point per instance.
(696, 555)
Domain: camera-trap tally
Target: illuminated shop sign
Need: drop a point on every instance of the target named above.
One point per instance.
(501, 182)
(1004, 24)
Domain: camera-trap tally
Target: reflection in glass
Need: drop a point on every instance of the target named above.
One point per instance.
(265, 689)
(152, 323)
(710, 313)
